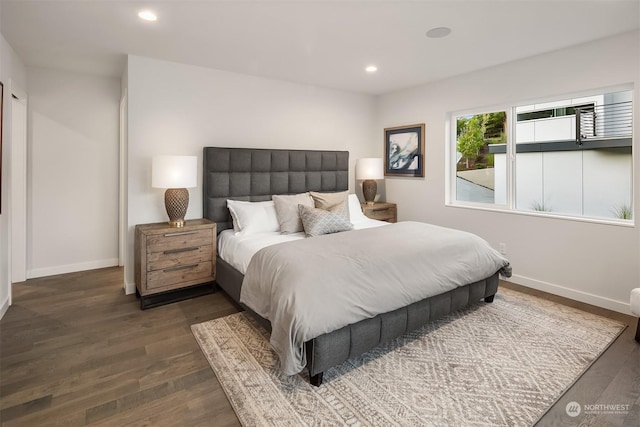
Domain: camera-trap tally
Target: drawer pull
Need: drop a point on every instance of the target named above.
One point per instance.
(182, 267)
(380, 209)
(179, 233)
(176, 251)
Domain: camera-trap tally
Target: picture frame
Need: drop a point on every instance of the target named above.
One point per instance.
(404, 151)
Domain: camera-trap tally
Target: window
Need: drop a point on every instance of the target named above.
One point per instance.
(476, 178)
(570, 157)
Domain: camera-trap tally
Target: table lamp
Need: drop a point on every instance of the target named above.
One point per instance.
(368, 170)
(176, 174)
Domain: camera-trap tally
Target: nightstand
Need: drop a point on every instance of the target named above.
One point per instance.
(381, 211)
(171, 262)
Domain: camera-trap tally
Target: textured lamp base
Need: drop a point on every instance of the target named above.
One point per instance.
(176, 201)
(369, 190)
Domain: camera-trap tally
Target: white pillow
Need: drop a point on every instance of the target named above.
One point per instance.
(253, 217)
(355, 210)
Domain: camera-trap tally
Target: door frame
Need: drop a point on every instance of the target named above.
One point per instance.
(18, 182)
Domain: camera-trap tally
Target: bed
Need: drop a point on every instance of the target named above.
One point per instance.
(255, 175)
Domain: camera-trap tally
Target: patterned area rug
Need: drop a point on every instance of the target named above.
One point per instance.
(499, 364)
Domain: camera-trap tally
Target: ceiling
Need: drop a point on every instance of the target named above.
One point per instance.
(323, 43)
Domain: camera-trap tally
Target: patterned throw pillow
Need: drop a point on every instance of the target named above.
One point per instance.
(319, 221)
(334, 202)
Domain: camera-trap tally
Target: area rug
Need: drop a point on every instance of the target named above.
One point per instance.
(499, 364)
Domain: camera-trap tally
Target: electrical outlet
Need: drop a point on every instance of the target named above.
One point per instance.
(502, 247)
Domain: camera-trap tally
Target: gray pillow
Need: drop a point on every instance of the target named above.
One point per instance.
(287, 211)
(319, 221)
(334, 202)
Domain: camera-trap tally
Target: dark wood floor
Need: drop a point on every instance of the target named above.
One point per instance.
(74, 350)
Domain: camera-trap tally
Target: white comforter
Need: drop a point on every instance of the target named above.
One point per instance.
(313, 286)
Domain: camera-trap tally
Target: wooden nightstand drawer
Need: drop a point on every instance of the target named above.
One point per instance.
(381, 211)
(173, 240)
(177, 257)
(178, 274)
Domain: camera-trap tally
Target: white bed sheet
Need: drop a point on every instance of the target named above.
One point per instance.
(237, 248)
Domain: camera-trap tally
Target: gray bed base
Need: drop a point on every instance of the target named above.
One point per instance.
(255, 175)
(333, 348)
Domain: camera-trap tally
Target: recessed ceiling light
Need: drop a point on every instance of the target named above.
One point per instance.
(147, 15)
(371, 69)
(439, 32)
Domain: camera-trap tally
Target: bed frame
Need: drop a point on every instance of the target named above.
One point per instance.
(257, 174)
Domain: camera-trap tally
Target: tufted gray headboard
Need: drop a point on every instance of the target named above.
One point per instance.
(257, 174)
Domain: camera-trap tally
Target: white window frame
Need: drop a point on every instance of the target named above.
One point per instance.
(452, 138)
(510, 205)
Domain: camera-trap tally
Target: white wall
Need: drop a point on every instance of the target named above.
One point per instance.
(595, 263)
(179, 109)
(72, 222)
(12, 71)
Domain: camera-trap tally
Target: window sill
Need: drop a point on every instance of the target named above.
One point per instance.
(562, 217)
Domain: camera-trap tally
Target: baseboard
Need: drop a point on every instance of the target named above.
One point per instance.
(4, 307)
(129, 288)
(573, 294)
(71, 268)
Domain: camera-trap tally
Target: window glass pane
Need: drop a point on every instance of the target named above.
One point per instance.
(577, 162)
(607, 183)
(481, 165)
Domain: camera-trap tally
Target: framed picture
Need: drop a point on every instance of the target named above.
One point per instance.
(404, 151)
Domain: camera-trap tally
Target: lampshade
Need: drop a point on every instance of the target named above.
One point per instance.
(369, 168)
(174, 172)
